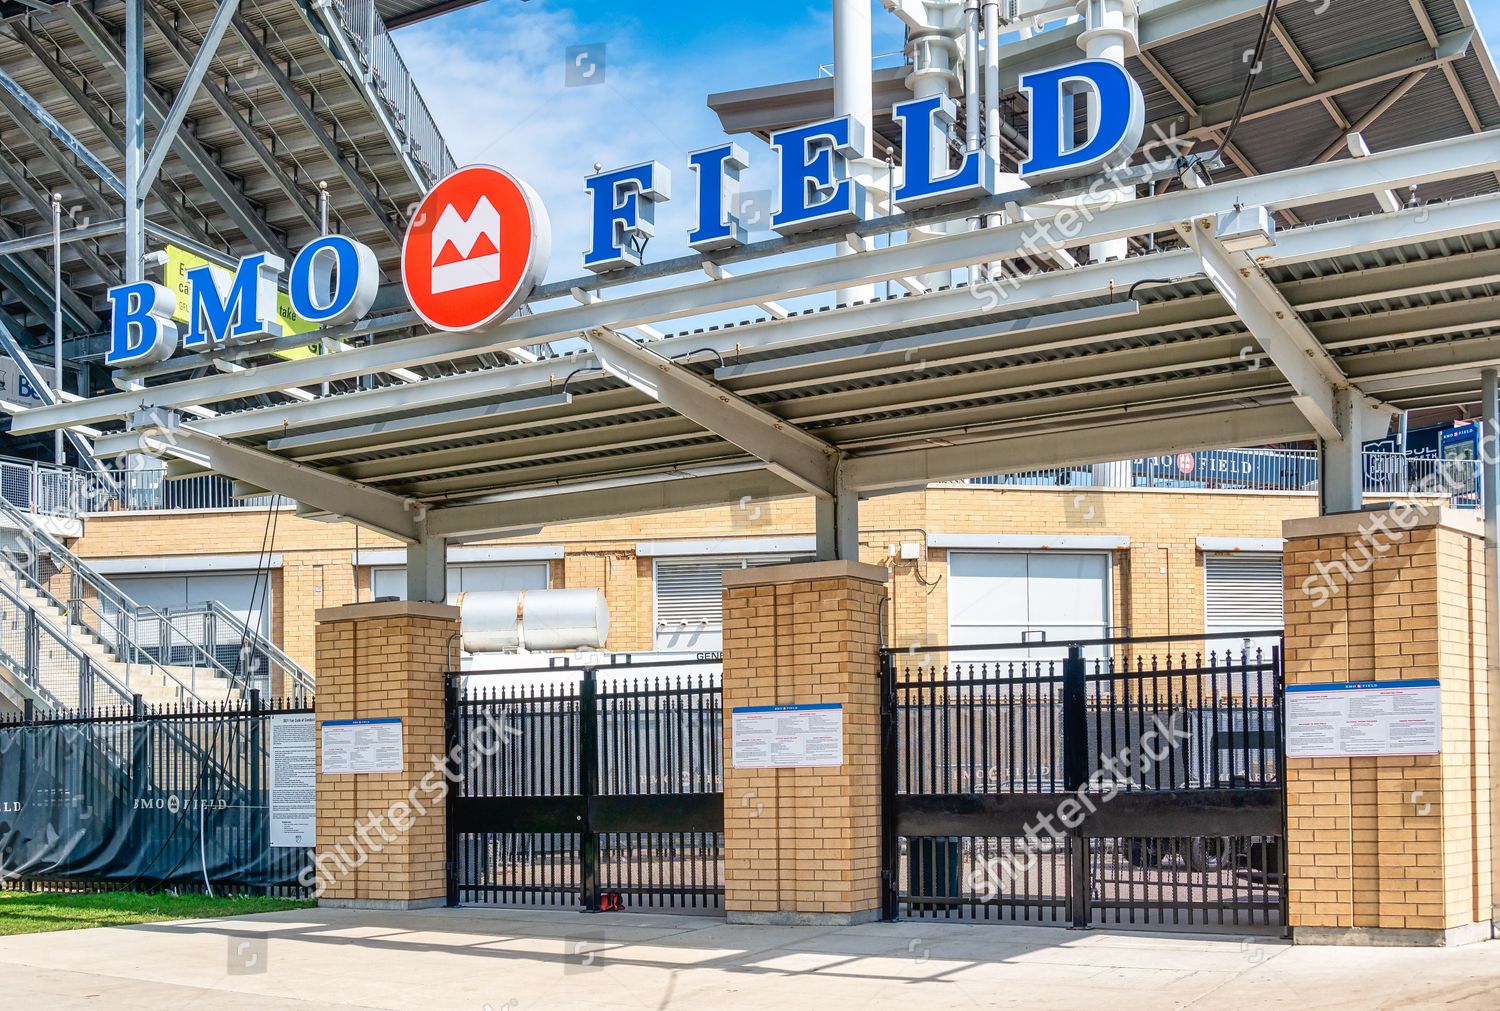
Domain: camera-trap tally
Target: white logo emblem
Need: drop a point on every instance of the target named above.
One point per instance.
(466, 251)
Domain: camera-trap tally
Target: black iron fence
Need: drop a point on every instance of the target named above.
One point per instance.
(1135, 787)
(143, 797)
(593, 788)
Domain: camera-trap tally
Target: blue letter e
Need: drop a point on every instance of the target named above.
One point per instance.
(1118, 127)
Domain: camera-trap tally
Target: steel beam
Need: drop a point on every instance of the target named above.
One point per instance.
(112, 136)
(1334, 81)
(29, 113)
(30, 243)
(1439, 160)
(31, 269)
(236, 119)
(43, 208)
(97, 38)
(427, 567)
(647, 493)
(1274, 324)
(377, 510)
(196, 71)
(45, 392)
(1120, 440)
(1340, 470)
(837, 525)
(1314, 242)
(315, 127)
(787, 451)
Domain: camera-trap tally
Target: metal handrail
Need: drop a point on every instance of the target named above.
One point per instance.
(381, 66)
(135, 615)
(302, 679)
(30, 673)
(81, 575)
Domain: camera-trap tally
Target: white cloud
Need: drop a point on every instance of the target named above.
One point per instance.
(497, 90)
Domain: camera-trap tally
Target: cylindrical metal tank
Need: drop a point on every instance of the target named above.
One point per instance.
(504, 621)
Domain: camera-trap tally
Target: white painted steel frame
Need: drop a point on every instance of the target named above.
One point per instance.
(1448, 159)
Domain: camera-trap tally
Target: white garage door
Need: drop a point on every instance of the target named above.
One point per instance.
(1016, 596)
(474, 578)
(237, 591)
(1242, 592)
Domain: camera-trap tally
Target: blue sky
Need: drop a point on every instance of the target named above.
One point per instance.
(495, 77)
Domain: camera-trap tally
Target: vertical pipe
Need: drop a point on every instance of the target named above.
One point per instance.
(135, 140)
(991, 26)
(323, 230)
(57, 330)
(1489, 479)
(992, 83)
(853, 96)
(973, 116)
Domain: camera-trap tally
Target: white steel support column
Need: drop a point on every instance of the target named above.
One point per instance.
(1489, 477)
(57, 322)
(837, 525)
(135, 140)
(853, 96)
(1109, 34)
(427, 567)
(1340, 474)
(933, 30)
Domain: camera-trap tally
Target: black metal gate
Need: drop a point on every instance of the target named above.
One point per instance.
(594, 788)
(1113, 786)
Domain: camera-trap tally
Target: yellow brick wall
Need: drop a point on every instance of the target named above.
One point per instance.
(804, 842)
(382, 660)
(1392, 842)
(1157, 584)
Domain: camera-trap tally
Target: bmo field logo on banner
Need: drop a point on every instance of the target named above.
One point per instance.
(478, 244)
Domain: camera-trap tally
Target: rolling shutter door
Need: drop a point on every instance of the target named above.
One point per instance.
(1242, 592)
(690, 598)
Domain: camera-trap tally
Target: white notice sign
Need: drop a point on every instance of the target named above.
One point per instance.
(1361, 718)
(787, 737)
(356, 746)
(294, 767)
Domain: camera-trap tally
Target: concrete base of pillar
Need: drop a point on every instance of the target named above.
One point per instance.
(387, 905)
(792, 918)
(1392, 937)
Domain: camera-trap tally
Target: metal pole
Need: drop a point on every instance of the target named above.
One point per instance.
(854, 96)
(325, 388)
(990, 24)
(135, 140)
(588, 787)
(57, 322)
(1489, 480)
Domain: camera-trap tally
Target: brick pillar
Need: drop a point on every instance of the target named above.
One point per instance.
(1391, 850)
(381, 841)
(802, 845)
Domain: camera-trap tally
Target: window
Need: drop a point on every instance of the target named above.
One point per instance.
(467, 578)
(1016, 596)
(1242, 592)
(690, 598)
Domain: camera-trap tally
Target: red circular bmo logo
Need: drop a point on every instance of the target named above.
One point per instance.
(477, 245)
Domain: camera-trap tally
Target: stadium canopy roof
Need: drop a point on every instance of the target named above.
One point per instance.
(1366, 303)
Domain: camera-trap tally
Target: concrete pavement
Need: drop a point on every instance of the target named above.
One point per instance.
(509, 960)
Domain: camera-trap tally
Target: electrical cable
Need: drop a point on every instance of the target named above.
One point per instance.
(1255, 66)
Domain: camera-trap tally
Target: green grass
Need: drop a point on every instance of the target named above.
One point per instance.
(38, 912)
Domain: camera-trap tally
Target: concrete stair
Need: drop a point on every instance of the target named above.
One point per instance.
(58, 668)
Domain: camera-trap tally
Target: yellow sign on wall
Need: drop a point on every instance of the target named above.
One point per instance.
(180, 261)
